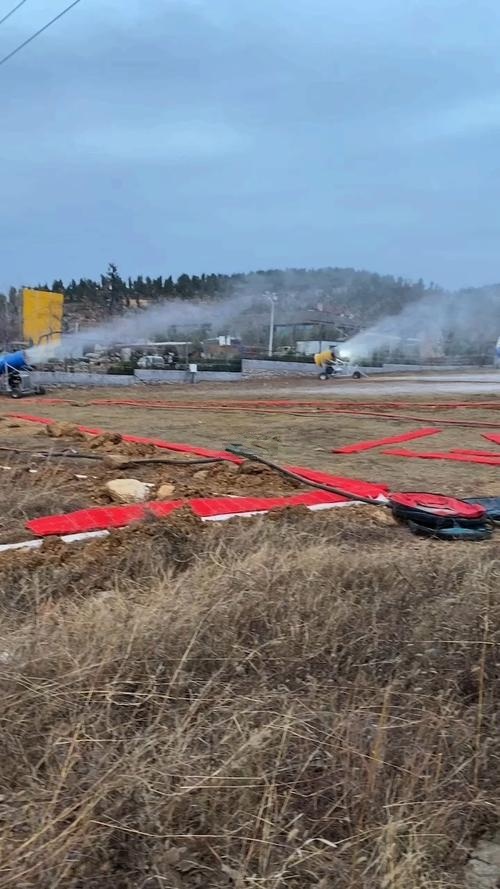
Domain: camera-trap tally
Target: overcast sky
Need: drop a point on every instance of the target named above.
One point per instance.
(176, 136)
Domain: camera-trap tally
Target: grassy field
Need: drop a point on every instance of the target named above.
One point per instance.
(303, 700)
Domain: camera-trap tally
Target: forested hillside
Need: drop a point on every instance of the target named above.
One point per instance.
(339, 302)
(360, 296)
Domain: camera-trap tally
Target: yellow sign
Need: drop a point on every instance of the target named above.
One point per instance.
(42, 316)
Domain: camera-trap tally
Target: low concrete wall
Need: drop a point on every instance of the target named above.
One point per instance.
(63, 378)
(183, 376)
(82, 379)
(160, 376)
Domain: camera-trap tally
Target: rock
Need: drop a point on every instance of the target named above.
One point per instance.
(165, 491)
(249, 468)
(202, 473)
(480, 875)
(489, 851)
(116, 461)
(127, 490)
(483, 869)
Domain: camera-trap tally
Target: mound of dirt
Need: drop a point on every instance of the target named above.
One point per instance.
(374, 516)
(148, 549)
(65, 430)
(105, 440)
(227, 479)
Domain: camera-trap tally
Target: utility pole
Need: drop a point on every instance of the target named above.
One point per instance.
(273, 300)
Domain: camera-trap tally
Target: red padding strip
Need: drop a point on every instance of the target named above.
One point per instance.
(491, 436)
(45, 421)
(105, 517)
(99, 518)
(102, 517)
(217, 506)
(354, 486)
(377, 442)
(479, 452)
(460, 458)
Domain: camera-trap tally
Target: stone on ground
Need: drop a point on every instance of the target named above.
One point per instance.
(127, 490)
(165, 491)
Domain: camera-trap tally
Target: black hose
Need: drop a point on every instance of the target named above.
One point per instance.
(197, 462)
(81, 455)
(239, 451)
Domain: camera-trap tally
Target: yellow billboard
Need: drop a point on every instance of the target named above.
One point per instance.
(42, 316)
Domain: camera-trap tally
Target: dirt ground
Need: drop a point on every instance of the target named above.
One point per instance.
(306, 700)
(301, 433)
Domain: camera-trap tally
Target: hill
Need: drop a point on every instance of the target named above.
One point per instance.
(339, 302)
(360, 297)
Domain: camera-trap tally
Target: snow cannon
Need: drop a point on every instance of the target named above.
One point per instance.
(16, 376)
(13, 361)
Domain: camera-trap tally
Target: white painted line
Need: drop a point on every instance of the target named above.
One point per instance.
(68, 538)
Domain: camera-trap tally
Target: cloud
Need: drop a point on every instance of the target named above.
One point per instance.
(181, 141)
(465, 120)
(306, 131)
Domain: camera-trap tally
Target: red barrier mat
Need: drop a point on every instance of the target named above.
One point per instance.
(377, 442)
(460, 458)
(100, 518)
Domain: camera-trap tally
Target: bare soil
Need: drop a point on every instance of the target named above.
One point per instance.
(33, 487)
(302, 700)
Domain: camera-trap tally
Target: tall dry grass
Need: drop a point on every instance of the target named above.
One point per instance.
(303, 702)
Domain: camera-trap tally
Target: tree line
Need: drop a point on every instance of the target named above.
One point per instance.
(115, 293)
(363, 295)
(346, 299)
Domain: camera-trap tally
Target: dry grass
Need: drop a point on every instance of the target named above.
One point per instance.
(302, 702)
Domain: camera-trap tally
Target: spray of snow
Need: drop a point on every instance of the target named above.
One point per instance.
(466, 317)
(150, 324)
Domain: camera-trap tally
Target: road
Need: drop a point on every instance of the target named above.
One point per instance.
(439, 384)
(376, 386)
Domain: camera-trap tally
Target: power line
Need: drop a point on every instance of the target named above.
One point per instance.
(12, 11)
(37, 33)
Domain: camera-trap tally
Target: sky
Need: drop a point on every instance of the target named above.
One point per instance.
(173, 136)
